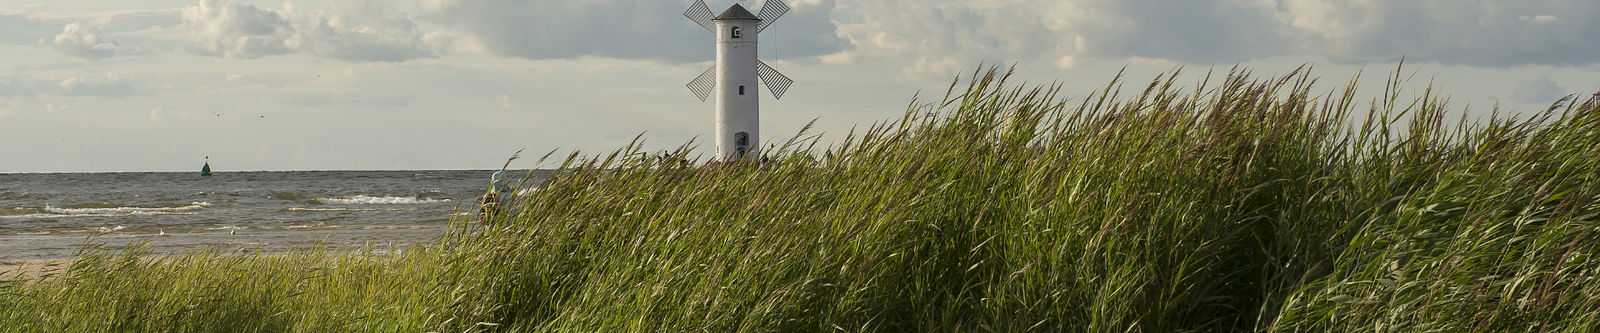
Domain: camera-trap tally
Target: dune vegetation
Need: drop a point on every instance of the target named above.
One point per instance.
(1239, 204)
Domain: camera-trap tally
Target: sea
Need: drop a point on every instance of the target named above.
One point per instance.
(54, 215)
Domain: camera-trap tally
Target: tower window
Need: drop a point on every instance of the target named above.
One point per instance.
(741, 90)
(735, 32)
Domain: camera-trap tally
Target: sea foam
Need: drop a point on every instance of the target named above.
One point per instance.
(51, 211)
(385, 200)
(305, 209)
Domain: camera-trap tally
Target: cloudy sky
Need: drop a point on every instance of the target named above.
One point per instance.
(158, 85)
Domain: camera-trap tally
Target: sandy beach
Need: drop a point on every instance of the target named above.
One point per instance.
(27, 270)
(20, 248)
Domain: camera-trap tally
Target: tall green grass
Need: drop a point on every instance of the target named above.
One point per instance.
(1255, 204)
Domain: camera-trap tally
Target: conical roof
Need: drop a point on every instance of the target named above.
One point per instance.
(737, 12)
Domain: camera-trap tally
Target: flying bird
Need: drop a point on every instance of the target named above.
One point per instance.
(215, 113)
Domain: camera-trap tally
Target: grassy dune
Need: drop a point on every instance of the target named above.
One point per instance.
(1260, 204)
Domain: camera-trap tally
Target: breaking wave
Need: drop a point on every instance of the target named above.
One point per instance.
(101, 209)
(385, 200)
(305, 209)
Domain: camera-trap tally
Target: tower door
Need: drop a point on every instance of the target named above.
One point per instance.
(741, 145)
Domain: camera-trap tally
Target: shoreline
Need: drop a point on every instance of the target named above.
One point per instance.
(17, 248)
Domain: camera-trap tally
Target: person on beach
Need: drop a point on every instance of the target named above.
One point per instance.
(499, 192)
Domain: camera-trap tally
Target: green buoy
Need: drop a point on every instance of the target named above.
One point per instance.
(206, 170)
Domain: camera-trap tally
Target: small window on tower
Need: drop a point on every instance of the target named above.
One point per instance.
(741, 90)
(735, 32)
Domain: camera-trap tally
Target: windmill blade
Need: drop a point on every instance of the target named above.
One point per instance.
(775, 81)
(699, 13)
(701, 86)
(770, 11)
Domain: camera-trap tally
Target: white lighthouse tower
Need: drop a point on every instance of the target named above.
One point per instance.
(733, 77)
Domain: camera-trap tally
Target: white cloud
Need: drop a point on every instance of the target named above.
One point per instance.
(367, 31)
(341, 100)
(7, 107)
(88, 36)
(355, 30)
(970, 29)
(17, 85)
(1156, 62)
(26, 25)
(1539, 19)
(1494, 33)
(237, 30)
(504, 100)
(1538, 90)
(159, 114)
(932, 68)
(623, 29)
(1066, 62)
(82, 40)
(111, 86)
(1062, 33)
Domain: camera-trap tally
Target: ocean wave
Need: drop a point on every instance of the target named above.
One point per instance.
(20, 211)
(112, 209)
(305, 209)
(385, 200)
(431, 193)
(287, 196)
(100, 209)
(39, 216)
(15, 195)
(324, 226)
(384, 227)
